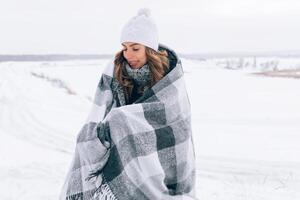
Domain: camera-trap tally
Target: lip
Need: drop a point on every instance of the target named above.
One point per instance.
(132, 62)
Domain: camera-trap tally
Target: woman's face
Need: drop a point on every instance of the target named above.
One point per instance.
(135, 54)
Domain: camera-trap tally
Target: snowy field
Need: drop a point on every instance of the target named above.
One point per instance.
(246, 128)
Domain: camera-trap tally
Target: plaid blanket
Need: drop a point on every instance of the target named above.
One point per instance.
(142, 151)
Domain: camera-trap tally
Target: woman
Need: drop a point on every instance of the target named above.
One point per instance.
(137, 142)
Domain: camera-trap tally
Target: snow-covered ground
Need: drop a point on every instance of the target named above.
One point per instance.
(246, 128)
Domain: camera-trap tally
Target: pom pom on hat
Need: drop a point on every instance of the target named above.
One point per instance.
(144, 11)
(141, 29)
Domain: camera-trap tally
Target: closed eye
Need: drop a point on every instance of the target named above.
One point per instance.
(132, 49)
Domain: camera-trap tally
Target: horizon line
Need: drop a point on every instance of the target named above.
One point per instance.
(198, 56)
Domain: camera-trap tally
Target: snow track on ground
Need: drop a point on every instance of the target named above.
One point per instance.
(245, 129)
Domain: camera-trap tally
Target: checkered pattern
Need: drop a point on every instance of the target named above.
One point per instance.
(143, 150)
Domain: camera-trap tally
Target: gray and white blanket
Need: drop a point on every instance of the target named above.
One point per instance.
(142, 151)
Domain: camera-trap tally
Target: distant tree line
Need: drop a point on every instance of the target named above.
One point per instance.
(51, 57)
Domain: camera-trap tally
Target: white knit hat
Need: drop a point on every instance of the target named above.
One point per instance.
(141, 29)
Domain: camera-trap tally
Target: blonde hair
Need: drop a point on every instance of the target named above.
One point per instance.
(158, 63)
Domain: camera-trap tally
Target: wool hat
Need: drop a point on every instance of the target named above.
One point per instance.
(141, 29)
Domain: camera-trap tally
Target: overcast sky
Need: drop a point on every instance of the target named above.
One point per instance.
(188, 26)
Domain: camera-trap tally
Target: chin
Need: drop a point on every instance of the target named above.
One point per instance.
(136, 66)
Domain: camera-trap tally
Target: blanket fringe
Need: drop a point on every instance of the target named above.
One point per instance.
(104, 193)
(75, 197)
(80, 196)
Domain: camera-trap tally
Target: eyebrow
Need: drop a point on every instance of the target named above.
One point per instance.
(132, 44)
